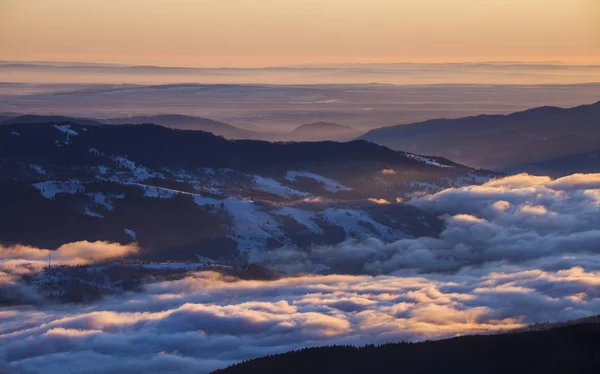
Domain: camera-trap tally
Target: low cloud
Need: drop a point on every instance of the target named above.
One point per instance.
(17, 261)
(514, 251)
(206, 321)
(379, 201)
(513, 219)
(77, 253)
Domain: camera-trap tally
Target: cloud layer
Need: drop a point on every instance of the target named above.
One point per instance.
(513, 219)
(206, 321)
(77, 253)
(16, 261)
(515, 251)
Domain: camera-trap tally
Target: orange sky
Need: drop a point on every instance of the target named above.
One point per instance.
(283, 32)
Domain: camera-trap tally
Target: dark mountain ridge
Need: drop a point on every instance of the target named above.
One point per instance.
(570, 349)
(184, 192)
(31, 119)
(500, 141)
(158, 146)
(179, 121)
(317, 131)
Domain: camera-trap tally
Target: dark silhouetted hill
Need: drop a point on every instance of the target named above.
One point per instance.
(186, 192)
(178, 121)
(516, 141)
(32, 119)
(157, 146)
(572, 349)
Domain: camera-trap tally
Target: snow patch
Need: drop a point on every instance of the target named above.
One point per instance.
(303, 217)
(428, 161)
(329, 184)
(49, 189)
(253, 227)
(270, 185)
(105, 200)
(14, 133)
(157, 192)
(95, 151)
(102, 169)
(66, 129)
(140, 172)
(180, 174)
(359, 224)
(38, 169)
(208, 171)
(89, 212)
(131, 233)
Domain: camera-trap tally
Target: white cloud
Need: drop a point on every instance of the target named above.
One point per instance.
(77, 253)
(514, 251)
(16, 261)
(207, 321)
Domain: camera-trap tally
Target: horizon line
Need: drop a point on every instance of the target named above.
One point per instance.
(557, 63)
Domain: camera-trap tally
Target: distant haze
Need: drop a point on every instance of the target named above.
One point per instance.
(276, 108)
(393, 73)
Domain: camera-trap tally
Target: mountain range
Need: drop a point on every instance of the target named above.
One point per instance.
(317, 131)
(531, 140)
(180, 193)
(193, 201)
(178, 121)
(546, 140)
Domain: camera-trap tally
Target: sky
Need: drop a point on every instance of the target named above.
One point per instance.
(253, 33)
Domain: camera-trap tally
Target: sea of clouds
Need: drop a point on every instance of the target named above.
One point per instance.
(514, 251)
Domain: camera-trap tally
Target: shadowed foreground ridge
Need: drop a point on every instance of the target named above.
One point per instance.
(571, 349)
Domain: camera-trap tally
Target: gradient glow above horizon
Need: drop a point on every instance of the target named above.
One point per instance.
(253, 33)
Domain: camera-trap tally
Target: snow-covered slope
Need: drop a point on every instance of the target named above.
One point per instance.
(191, 193)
